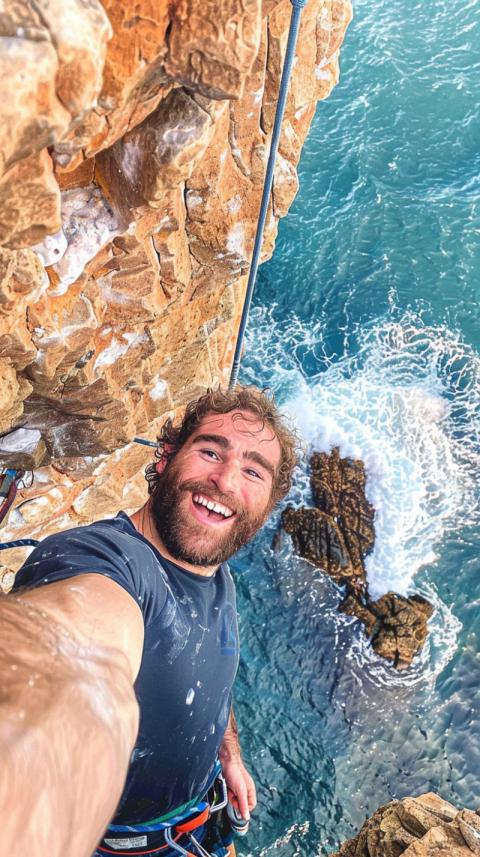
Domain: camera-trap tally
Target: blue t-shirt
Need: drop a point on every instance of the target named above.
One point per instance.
(190, 657)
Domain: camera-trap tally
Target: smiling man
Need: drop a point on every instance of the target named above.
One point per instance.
(137, 616)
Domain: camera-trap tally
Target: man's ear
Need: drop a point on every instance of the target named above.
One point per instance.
(168, 450)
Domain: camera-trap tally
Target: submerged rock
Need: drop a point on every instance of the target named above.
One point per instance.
(426, 826)
(336, 536)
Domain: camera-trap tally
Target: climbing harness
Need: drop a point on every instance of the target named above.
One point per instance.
(170, 828)
(297, 5)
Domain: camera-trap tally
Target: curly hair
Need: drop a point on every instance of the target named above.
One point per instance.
(259, 403)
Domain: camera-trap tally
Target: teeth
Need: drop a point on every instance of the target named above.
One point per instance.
(215, 507)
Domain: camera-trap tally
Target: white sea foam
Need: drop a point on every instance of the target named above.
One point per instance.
(407, 402)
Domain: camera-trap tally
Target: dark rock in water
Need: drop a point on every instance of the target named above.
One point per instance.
(339, 532)
(336, 536)
(338, 486)
(361, 607)
(426, 826)
(398, 625)
(319, 539)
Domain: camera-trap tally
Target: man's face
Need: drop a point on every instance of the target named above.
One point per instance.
(215, 493)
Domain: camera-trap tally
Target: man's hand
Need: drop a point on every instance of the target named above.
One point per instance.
(241, 788)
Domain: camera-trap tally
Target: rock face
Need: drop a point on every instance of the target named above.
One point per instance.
(134, 144)
(426, 826)
(336, 536)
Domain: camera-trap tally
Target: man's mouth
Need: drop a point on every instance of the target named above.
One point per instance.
(210, 510)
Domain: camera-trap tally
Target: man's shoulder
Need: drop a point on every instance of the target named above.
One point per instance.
(110, 534)
(110, 547)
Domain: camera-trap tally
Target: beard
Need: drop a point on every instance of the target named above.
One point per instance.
(187, 539)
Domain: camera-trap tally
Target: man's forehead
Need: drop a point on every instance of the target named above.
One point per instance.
(247, 426)
(242, 422)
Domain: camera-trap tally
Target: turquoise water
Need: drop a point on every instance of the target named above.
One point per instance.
(366, 324)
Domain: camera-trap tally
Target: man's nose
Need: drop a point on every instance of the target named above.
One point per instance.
(226, 476)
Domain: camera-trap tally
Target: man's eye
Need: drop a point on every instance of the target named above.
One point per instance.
(211, 453)
(253, 473)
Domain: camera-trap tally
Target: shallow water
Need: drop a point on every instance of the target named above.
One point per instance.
(366, 324)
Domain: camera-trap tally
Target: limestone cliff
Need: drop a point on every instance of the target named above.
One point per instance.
(134, 139)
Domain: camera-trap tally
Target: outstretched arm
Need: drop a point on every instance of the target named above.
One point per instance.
(69, 653)
(241, 788)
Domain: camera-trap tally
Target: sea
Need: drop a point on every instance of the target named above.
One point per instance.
(366, 324)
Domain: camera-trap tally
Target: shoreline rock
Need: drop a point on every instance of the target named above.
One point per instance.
(426, 826)
(336, 536)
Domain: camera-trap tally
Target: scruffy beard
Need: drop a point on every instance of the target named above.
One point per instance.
(188, 540)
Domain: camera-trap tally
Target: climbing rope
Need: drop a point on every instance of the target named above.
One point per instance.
(19, 543)
(297, 6)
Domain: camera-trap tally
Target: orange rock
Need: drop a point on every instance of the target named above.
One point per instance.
(22, 281)
(29, 202)
(134, 78)
(32, 114)
(157, 155)
(212, 45)
(79, 31)
(81, 176)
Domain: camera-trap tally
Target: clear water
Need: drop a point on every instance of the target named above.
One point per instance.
(366, 324)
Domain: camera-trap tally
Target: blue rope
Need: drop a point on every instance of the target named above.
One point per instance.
(145, 442)
(297, 5)
(19, 543)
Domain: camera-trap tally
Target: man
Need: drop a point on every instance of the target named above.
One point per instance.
(139, 613)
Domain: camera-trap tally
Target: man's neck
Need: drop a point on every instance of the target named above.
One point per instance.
(143, 523)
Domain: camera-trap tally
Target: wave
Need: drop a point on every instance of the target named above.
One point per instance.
(405, 398)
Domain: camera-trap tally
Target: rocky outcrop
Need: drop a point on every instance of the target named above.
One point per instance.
(426, 826)
(336, 536)
(338, 533)
(396, 625)
(134, 146)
